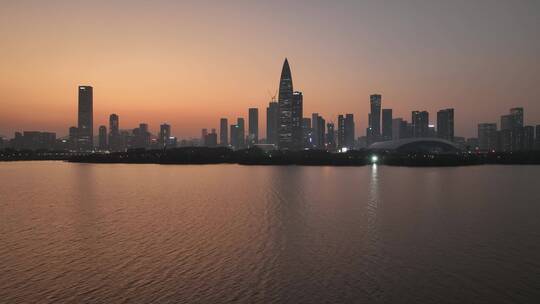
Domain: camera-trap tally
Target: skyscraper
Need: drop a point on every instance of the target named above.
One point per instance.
(253, 131)
(331, 136)
(399, 129)
(285, 101)
(297, 115)
(315, 129)
(307, 132)
(164, 135)
(517, 117)
(234, 137)
(528, 138)
(387, 124)
(341, 132)
(73, 137)
(102, 138)
(507, 122)
(374, 118)
(349, 131)
(223, 132)
(211, 139)
(445, 124)
(114, 133)
(142, 136)
(204, 134)
(487, 136)
(321, 138)
(85, 130)
(241, 132)
(272, 123)
(420, 123)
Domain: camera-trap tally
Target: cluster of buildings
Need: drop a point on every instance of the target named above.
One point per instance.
(512, 135)
(286, 129)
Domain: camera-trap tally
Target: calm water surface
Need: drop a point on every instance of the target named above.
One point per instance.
(99, 233)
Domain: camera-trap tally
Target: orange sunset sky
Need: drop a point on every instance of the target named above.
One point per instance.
(188, 63)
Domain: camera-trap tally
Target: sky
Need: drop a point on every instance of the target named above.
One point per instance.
(189, 63)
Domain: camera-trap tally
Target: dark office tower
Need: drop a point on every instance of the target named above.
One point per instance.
(204, 132)
(517, 117)
(374, 118)
(528, 138)
(445, 124)
(285, 101)
(234, 137)
(487, 136)
(420, 123)
(330, 136)
(164, 135)
(321, 123)
(349, 131)
(307, 135)
(115, 141)
(396, 128)
(341, 132)
(272, 123)
(86, 119)
(211, 139)
(387, 124)
(297, 116)
(223, 132)
(144, 136)
(507, 122)
(241, 133)
(73, 138)
(315, 129)
(102, 138)
(253, 131)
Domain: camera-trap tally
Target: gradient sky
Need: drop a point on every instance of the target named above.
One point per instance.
(189, 63)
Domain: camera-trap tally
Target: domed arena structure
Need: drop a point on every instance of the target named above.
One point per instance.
(416, 145)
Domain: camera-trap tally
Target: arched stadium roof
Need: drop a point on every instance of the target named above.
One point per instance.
(417, 144)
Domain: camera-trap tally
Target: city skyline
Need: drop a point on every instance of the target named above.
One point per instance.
(191, 74)
(287, 129)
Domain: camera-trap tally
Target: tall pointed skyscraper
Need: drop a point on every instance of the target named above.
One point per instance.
(285, 101)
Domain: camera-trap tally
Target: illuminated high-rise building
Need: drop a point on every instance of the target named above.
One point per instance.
(85, 129)
(374, 118)
(297, 116)
(341, 132)
(330, 136)
(420, 123)
(285, 101)
(164, 135)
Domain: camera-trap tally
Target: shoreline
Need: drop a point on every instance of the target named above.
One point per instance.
(254, 156)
